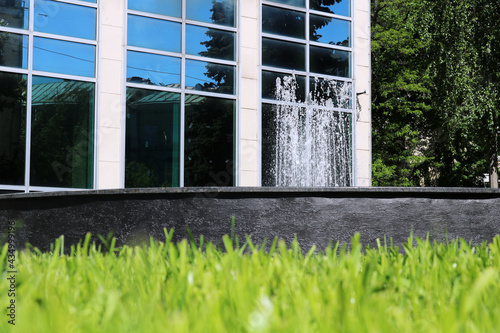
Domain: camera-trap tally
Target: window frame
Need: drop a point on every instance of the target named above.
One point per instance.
(182, 89)
(307, 73)
(30, 72)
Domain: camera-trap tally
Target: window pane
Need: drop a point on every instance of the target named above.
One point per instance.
(154, 34)
(329, 30)
(14, 14)
(152, 138)
(342, 7)
(13, 50)
(12, 128)
(289, 158)
(62, 133)
(217, 11)
(209, 141)
(283, 22)
(297, 3)
(207, 76)
(65, 19)
(282, 54)
(63, 57)
(208, 42)
(330, 92)
(162, 7)
(153, 69)
(330, 61)
(273, 84)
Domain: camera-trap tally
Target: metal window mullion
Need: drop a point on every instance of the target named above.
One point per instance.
(210, 94)
(18, 31)
(65, 38)
(97, 72)
(80, 3)
(211, 25)
(14, 70)
(183, 96)
(211, 60)
(326, 14)
(283, 38)
(282, 5)
(283, 71)
(155, 16)
(308, 65)
(153, 51)
(29, 93)
(330, 46)
(64, 76)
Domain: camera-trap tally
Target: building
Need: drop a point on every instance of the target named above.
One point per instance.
(99, 94)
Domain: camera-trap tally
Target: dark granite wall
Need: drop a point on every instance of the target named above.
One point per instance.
(315, 216)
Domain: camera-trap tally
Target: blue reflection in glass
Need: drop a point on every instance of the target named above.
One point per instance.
(297, 3)
(207, 42)
(343, 7)
(215, 11)
(153, 69)
(154, 34)
(15, 50)
(206, 76)
(65, 19)
(162, 7)
(63, 57)
(14, 14)
(329, 30)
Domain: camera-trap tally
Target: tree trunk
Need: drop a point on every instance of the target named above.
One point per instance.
(494, 170)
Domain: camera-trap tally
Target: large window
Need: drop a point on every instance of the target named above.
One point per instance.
(47, 94)
(181, 93)
(306, 93)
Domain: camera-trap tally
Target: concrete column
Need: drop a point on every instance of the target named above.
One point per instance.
(249, 93)
(110, 147)
(362, 63)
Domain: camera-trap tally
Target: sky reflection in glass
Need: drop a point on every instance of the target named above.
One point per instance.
(341, 8)
(329, 30)
(65, 19)
(153, 69)
(219, 12)
(63, 57)
(154, 34)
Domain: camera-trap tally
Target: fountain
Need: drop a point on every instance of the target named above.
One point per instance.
(309, 144)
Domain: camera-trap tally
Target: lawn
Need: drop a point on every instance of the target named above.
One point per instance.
(241, 287)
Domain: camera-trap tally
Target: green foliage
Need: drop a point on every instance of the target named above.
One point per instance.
(185, 287)
(435, 91)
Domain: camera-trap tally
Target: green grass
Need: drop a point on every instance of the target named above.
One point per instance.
(167, 287)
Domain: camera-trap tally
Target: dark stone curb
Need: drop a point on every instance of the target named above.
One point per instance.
(317, 216)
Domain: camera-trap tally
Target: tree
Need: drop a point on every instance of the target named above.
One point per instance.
(400, 91)
(435, 91)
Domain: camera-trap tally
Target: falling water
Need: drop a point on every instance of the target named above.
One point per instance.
(312, 141)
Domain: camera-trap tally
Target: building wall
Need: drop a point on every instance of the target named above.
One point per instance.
(111, 93)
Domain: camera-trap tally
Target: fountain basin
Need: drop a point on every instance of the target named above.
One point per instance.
(317, 216)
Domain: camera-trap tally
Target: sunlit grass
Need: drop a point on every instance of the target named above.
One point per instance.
(184, 287)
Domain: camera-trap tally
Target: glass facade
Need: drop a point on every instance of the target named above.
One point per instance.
(306, 94)
(47, 93)
(157, 93)
(181, 93)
